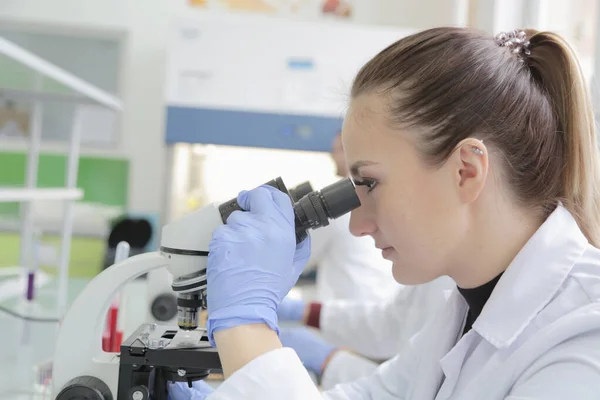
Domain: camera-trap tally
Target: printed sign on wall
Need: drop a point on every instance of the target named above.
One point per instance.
(312, 8)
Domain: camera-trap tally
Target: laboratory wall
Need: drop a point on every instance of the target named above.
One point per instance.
(139, 142)
(143, 25)
(161, 185)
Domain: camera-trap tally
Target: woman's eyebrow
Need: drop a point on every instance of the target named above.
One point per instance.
(356, 166)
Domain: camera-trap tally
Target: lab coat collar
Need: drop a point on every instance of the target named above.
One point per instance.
(532, 279)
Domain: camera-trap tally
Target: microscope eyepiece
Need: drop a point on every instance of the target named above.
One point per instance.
(312, 208)
(315, 209)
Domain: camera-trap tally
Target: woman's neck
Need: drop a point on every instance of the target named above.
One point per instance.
(497, 236)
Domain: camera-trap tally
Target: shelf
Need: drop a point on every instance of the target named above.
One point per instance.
(22, 94)
(81, 228)
(10, 194)
(59, 75)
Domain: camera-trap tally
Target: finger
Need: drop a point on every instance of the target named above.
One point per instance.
(228, 233)
(237, 217)
(302, 253)
(220, 232)
(257, 201)
(280, 198)
(284, 203)
(301, 257)
(243, 222)
(242, 200)
(222, 235)
(179, 391)
(303, 248)
(202, 387)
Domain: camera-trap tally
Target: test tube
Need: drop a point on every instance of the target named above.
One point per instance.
(110, 340)
(34, 265)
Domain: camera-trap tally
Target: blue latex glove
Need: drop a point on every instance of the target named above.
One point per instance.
(180, 390)
(253, 262)
(291, 310)
(311, 349)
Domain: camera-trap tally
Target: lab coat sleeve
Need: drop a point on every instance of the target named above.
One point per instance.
(371, 329)
(279, 374)
(390, 381)
(379, 330)
(345, 367)
(569, 371)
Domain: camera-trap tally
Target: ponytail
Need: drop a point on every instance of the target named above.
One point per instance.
(554, 66)
(525, 95)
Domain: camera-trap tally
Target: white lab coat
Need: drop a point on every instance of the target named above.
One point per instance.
(377, 330)
(538, 337)
(349, 267)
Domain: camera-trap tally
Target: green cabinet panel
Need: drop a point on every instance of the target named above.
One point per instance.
(87, 254)
(103, 180)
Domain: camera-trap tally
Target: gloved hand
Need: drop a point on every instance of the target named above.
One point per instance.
(253, 261)
(291, 310)
(180, 390)
(311, 349)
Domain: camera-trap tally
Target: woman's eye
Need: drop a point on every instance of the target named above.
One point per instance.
(369, 183)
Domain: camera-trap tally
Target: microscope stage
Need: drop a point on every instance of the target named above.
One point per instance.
(157, 354)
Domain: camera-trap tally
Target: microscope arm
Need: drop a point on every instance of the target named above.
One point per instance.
(79, 341)
(184, 247)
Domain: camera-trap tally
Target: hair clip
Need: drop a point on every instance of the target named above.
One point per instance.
(515, 40)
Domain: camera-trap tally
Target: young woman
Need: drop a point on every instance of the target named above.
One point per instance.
(474, 157)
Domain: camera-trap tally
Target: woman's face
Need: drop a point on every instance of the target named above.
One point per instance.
(413, 211)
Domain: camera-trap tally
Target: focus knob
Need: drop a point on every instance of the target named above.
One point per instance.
(138, 393)
(164, 307)
(85, 388)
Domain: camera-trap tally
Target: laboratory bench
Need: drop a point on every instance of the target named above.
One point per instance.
(26, 344)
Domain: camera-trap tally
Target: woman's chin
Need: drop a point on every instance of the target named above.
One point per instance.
(406, 274)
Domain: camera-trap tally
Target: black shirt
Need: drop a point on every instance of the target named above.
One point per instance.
(476, 299)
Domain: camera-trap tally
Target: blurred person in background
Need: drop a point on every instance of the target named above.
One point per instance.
(344, 340)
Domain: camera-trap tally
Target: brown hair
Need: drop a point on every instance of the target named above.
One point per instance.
(534, 110)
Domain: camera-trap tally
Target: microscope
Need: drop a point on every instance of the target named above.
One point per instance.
(157, 354)
(162, 301)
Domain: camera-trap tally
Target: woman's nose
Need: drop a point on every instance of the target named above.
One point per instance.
(361, 224)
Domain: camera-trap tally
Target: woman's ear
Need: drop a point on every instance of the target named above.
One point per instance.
(470, 163)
